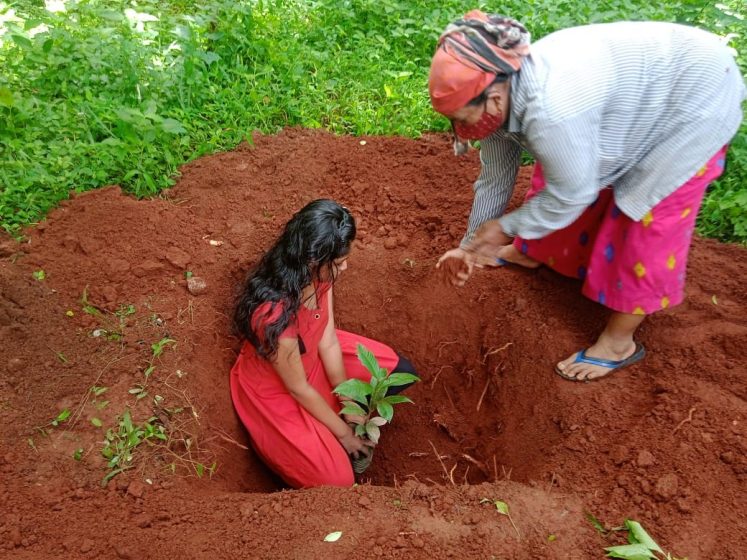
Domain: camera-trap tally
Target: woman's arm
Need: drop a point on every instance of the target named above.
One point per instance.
(500, 157)
(290, 368)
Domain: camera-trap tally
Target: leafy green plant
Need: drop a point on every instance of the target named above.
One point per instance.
(369, 401)
(159, 346)
(39, 275)
(109, 92)
(640, 546)
(61, 418)
(120, 443)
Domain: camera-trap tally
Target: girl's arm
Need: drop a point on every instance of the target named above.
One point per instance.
(290, 368)
(330, 351)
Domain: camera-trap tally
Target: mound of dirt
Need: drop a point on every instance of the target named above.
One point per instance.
(131, 313)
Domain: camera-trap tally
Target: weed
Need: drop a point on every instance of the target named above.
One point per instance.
(61, 418)
(120, 444)
(159, 346)
(640, 546)
(39, 275)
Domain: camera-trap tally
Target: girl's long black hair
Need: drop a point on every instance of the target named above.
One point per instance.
(312, 240)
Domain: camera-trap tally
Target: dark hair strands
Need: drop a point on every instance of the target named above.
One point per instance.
(317, 235)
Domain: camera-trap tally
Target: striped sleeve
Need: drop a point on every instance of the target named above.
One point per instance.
(500, 157)
(568, 150)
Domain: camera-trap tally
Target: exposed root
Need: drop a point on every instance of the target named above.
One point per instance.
(435, 377)
(444, 344)
(482, 395)
(495, 351)
(449, 475)
(686, 420)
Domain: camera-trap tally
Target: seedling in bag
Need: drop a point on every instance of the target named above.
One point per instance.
(371, 401)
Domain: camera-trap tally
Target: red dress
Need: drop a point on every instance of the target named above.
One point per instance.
(289, 439)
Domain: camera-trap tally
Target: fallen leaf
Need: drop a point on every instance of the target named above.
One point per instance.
(333, 537)
(502, 507)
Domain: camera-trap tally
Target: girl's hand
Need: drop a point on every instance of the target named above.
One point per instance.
(354, 445)
(354, 418)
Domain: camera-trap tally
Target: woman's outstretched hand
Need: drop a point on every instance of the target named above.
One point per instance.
(457, 265)
(354, 445)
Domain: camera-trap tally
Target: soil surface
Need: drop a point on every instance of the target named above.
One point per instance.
(662, 442)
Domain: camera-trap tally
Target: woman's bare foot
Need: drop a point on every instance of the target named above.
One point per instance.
(511, 254)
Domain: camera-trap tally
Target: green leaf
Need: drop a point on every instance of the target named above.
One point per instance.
(353, 409)
(368, 360)
(333, 537)
(39, 275)
(6, 97)
(354, 389)
(173, 126)
(502, 507)
(397, 379)
(635, 551)
(78, 454)
(62, 416)
(22, 41)
(96, 422)
(373, 432)
(378, 420)
(639, 535)
(360, 430)
(385, 410)
(397, 399)
(596, 523)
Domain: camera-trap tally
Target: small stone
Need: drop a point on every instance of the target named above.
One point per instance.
(179, 258)
(619, 455)
(390, 243)
(402, 240)
(147, 268)
(645, 459)
(143, 521)
(666, 486)
(417, 542)
(364, 501)
(14, 364)
(14, 536)
(196, 285)
(727, 457)
(122, 553)
(136, 489)
(86, 546)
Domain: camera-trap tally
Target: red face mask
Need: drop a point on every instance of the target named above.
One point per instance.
(483, 128)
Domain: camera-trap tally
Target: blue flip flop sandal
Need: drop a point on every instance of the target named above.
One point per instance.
(613, 365)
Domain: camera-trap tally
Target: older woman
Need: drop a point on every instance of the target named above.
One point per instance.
(628, 123)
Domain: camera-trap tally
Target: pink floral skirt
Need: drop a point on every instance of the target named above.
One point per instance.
(628, 266)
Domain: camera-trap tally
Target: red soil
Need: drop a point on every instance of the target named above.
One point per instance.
(662, 442)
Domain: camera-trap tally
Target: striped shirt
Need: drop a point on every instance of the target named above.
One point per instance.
(640, 106)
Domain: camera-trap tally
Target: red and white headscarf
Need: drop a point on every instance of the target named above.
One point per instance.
(471, 53)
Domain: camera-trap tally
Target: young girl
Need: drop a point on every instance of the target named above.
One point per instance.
(293, 356)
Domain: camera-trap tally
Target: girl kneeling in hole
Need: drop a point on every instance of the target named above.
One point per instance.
(293, 356)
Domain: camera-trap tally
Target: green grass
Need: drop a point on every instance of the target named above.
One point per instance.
(115, 92)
